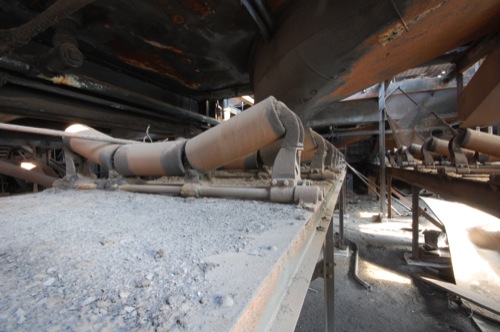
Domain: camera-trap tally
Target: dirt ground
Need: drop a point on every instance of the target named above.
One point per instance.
(397, 301)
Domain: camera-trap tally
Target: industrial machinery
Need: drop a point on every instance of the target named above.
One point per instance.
(265, 100)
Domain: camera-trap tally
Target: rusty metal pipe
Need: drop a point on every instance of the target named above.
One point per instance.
(17, 172)
(479, 141)
(416, 150)
(257, 127)
(440, 146)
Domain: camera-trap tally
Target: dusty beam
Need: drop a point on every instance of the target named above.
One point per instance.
(352, 112)
(23, 174)
(479, 102)
(480, 195)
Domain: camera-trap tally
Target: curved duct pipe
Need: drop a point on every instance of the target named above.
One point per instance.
(259, 126)
(16, 37)
(479, 141)
(23, 174)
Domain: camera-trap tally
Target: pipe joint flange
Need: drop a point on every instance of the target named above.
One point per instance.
(190, 190)
(282, 194)
(307, 194)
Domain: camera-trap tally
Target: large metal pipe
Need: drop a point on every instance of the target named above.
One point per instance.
(267, 155)
(230, 141)
(150, 159)
(416, 150)
(479, 141)
(244, 134)
(140, 159)
(440, 146)
(99, 152)
(17, 172)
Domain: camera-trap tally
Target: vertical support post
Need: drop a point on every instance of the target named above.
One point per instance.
(389, 196)
(460, 83)
(381, 143)
(328, 278)
(414, 226)
(342, 202)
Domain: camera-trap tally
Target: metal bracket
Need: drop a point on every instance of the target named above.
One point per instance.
(286, 169)
(428, 158)
(191, 184)
(330, 152)
(391, 158)
(406, 156)
(318, 162)
(459, 159)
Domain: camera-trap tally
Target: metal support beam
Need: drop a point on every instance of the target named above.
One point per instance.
(481, 195)
(479, 102)
(381, 140)
(328, 277)
(414, 215)
(389, 196)
(352, 112)
(23, 174)
(342, 203)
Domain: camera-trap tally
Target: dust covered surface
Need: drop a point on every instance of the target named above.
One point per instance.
(111, 260)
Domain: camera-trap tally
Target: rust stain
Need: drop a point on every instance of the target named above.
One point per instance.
(398, 29)
(68, 80)
(159, 68)
(152, 62)
(435, 27)
(204, 9)
(175, 17)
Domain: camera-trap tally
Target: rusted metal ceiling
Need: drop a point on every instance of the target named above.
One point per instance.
(327, 50)
(188, 46)
(193, 50)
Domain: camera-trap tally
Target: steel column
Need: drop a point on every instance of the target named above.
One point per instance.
(381, 140)
(342, 202)
(414, 226)
(328, 277)
(389, 196)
